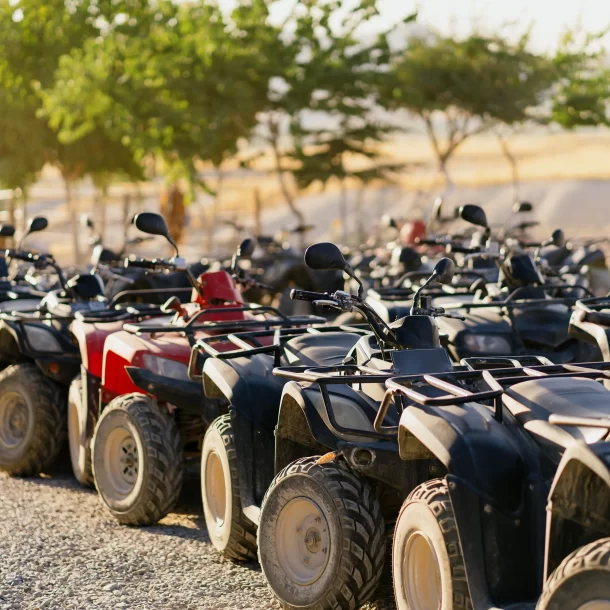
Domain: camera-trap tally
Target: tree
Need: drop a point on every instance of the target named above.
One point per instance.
(323, 69)
(582, 92)
(460, 88)
(176, 83)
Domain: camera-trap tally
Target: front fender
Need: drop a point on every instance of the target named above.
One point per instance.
(471, 444)
(497, 496)
(578, 509)
(248, 384)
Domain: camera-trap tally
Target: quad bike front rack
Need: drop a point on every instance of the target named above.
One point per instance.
(191, 327)
(260, 341)
(513, 301)
(495, 380)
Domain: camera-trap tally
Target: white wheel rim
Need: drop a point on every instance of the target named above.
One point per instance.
(421, 575)
(302, 541)
(121, 461)
(598, 604)
(215, 488)
(14, 419)
(74, 435)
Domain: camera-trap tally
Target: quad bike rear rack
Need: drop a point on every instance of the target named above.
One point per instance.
(250, 343)
(123, 296)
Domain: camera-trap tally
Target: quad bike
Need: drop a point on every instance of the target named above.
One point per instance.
(516, 516)
(118, 278)
(294, 546)
(149, 415)
(43, 358)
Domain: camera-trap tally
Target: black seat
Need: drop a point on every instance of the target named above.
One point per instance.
(533, 402)
(322, 349)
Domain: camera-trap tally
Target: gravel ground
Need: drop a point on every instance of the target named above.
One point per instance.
(60, 550)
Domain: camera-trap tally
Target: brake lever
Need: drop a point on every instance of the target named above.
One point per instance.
(327, 303)
(455, 316)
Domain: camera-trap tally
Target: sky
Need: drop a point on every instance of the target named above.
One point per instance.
(549, 17)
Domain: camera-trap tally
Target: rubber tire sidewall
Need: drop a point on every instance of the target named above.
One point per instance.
(577, 581)
(82, 469)
(219, 535)
(417, 517)
(46, 438)
(296, 486)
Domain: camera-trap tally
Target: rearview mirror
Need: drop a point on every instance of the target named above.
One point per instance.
(38, 223)
(154, 224)
(437, 208)
(558, 238)
(521, 207)
(87, 222)
(7, 230)
(246, 248)
(324, 256)
(388, 222)
(473, 214)
(444, 270)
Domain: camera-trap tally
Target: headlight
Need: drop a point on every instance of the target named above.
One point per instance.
(487, 344)
(41, 340)
(166, 367)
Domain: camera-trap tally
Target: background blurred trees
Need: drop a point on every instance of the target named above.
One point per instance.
(111, 88)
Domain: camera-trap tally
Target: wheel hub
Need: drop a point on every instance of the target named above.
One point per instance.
(421, 574)
(121, 461)
(303, 540)
(14, 419)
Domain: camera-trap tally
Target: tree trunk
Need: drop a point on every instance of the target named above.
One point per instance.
(126, 215)
(444, 170)
(359, 222)
(258, 208)
(102, 212)
(73, 210)
(343, 212)
(513, 166)
(212, 220)
(284, 187)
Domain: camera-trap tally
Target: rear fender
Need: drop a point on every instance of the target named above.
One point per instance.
(578, 509)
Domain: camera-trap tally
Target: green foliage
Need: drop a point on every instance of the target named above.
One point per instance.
(461, 87)
(180, 83)
(583, 89)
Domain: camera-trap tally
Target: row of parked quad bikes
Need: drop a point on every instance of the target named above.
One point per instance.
(469, 411)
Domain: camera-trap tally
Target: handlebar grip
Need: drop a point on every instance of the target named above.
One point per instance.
(461, 249)
(139, 264)
(16, 254)
(306, 295)
(427, 242)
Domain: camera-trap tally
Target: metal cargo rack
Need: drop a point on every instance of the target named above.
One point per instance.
(250, 343)
(347, 374)
(496, 380)
(191, 327)
(592, 310)
(457, 386)
(513, 301)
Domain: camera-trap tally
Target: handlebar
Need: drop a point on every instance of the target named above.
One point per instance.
(306, 295)
(139, 264)
(462, 249)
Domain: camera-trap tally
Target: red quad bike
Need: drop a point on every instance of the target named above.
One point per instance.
(149, 414)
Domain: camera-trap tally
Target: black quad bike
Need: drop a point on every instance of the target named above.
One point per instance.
(517, 515)
(306, 426)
